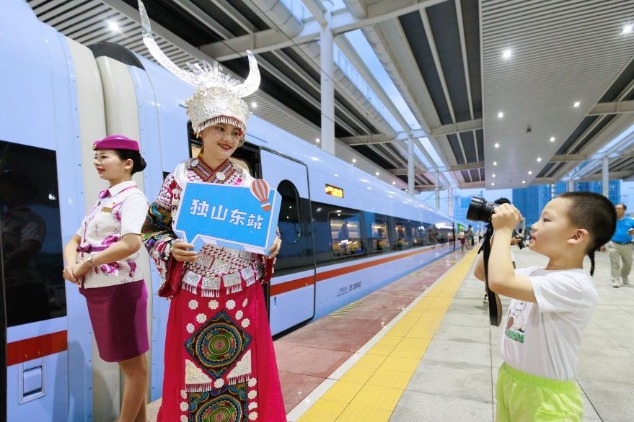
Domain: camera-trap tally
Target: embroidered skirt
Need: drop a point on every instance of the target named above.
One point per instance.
(219, 359)
(119, 319)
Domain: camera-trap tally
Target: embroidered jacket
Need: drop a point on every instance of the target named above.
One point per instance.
(216, 267)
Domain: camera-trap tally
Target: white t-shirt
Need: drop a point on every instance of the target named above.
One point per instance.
(120, 210)
(544, 338)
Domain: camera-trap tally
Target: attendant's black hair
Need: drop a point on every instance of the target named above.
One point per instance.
(139, 163)
(596, 214)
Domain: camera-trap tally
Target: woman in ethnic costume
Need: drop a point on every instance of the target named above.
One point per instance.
(101, 259)
(219, 357)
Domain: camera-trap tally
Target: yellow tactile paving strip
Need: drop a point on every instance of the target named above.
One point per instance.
(370, 390)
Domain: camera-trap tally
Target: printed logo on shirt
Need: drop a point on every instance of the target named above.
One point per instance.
(515, 323)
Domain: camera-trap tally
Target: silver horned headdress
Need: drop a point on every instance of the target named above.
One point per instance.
(218, 97)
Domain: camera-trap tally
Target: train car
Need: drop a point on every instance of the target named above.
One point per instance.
(345, 233)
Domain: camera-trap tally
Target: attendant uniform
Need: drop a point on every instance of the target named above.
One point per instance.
(115, 292)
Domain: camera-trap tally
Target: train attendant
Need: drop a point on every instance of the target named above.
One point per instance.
(219, 357)
(101, 260)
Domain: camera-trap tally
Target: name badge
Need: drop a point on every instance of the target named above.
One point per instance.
(106, 209)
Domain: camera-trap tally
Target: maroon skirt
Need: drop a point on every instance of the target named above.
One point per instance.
(119, 319)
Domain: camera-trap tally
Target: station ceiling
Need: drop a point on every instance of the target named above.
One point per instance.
(508, 92)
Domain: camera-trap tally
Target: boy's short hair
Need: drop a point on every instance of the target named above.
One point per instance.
(596, 214)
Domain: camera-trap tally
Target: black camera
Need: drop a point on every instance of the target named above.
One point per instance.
(480, 209)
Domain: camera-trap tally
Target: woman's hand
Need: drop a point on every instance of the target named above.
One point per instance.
(275, 249)
(181, 251)
(74, 273)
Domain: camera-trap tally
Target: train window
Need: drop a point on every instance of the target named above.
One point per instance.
(297, 249)
(418, 233)
(31, 242)
(345, 234)
(377, 229)
(402, 239)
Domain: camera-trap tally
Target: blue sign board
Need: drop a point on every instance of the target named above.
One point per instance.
(239, 217)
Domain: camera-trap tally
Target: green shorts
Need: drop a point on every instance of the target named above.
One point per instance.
(522, 397)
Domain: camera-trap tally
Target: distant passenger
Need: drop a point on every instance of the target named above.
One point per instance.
(219, 357)
(469, 236)
(550, 306)
(620, 248)
(101, 259)
(344, 232)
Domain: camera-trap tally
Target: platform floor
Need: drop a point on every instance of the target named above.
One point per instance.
(421, 349)
(454, 377)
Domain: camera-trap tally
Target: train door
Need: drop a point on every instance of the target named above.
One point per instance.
(292, 289)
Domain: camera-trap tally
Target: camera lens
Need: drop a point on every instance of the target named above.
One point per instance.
(480, 210)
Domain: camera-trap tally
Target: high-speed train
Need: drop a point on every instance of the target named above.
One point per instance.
(344, 233)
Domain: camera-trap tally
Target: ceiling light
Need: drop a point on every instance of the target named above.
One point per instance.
(495, 163)
(539, 159)
(500, 114)
(507, 54)
(576, 104)
(354, 160)
(317, 140)
(114, 26)
(492, 184)
(493, 175)
(552, 139)
(497, 145)
(393, 183)
(523, 182)
(254, 105)
(377, 173)
(336, 175)
(530, 172)
(627, 29)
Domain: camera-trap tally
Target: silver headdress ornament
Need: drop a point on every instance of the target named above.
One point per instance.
(218, 97)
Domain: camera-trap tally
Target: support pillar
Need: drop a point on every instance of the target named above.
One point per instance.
(411, 180)
(327, 84)
(605, 176)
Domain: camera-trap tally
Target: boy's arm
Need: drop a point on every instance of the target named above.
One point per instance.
(478, 271)
(502, 278)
